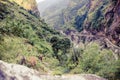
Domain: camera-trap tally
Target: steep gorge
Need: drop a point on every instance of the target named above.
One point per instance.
(97, 17)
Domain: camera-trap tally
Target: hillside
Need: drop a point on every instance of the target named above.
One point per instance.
(60, 8)
(13, 16)
(22, 33)
(27, 40)
(47, 8)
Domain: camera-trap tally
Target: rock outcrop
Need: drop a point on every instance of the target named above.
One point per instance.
(19, 72)
(30, 5)
(27, 4)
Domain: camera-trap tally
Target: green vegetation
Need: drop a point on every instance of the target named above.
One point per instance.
(22, 33)
(88, 59)
(60, 47)
(18, 23)
(95, 61)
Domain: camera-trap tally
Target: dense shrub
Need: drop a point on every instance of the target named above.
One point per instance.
(96, 61)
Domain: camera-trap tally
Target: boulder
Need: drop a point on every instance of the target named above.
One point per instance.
(17, 72)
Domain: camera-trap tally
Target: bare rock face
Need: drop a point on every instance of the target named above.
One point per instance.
(29, 5)
(19, 72)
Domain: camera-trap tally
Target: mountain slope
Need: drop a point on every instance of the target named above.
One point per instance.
(99, 17)
(26, 39)
(14, 16)
(60, 9)
(49, 9)
(22, 34)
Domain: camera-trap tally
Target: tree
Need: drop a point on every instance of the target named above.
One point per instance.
(60, 45)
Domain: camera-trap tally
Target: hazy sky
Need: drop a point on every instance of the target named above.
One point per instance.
(39, 1)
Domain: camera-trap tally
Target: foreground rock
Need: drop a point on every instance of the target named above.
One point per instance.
(19, 72)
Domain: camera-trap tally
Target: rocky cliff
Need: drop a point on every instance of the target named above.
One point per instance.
(100, 17)
(27, 4)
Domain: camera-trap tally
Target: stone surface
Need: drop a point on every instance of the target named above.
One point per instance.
(27, 4)
(18, 72)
